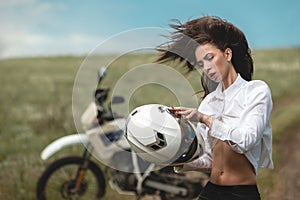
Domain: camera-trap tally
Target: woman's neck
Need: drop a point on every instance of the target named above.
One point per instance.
(229, 79)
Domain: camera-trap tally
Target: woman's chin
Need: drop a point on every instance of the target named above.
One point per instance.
(215, 79)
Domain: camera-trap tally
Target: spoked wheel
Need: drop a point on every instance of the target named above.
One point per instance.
(65, 179)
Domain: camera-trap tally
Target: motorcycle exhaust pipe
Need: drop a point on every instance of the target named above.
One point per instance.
(167, 188)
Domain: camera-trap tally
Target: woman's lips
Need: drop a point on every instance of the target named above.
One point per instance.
(212, 75)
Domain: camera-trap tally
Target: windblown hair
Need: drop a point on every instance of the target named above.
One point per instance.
(213, 30)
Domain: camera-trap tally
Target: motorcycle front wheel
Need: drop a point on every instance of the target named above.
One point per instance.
(59, 180)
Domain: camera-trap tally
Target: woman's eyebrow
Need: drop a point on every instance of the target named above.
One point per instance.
(199, 61)
(204, 57)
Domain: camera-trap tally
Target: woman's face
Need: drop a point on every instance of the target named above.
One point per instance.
(214, 62)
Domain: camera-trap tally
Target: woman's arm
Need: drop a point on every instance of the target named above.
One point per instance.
(253, 121)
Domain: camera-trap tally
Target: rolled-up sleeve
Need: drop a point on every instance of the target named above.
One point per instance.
(252, 122)
(203, 162)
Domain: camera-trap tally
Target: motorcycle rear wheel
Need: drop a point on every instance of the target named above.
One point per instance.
(58, 180)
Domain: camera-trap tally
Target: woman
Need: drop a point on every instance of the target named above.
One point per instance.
(234, 116)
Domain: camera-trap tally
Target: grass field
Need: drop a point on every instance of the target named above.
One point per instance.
(36, 108)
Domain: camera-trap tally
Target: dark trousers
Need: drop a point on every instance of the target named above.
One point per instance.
(239, 192)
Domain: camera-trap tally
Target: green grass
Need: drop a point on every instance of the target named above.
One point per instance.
(36, 108)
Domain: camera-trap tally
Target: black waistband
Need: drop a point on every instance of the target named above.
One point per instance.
(241, 188)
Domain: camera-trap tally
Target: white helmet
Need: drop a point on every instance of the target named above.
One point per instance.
(157, 136)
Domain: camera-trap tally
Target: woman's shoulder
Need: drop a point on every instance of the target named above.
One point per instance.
(257, 85)
(257, 89)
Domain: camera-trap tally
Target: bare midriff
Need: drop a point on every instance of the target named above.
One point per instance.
(230, 167)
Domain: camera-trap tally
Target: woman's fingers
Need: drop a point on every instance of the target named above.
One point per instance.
(186, 113)
(177, 108)
(194, 115)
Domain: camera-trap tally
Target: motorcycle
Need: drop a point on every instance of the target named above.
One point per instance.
(81, 177)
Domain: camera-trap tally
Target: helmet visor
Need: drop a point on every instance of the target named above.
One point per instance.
(189, 144)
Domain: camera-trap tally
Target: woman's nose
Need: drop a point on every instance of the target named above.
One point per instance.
(206, 68)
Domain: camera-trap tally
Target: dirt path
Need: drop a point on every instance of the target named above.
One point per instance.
(287, 180)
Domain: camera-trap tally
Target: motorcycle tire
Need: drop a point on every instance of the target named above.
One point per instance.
(58, 180)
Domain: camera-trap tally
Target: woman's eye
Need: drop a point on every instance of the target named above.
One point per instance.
(209, 58)
(200, 64)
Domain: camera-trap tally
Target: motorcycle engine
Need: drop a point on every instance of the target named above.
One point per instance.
(125, 181)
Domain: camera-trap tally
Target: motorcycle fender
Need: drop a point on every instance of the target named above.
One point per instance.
(63, 142)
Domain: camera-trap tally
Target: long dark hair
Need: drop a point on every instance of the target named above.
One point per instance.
(220, 33)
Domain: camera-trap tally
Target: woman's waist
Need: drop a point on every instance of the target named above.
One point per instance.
(230, 177)
(230, 167)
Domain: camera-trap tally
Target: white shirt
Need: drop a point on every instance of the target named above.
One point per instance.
(241, 115)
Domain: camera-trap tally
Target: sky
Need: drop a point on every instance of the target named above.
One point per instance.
(76, 27)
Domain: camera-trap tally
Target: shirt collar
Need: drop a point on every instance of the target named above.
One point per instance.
(231, 90)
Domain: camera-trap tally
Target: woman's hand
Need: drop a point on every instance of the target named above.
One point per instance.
(192, 114)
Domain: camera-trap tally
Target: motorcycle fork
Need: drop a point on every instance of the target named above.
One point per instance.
(82, 169)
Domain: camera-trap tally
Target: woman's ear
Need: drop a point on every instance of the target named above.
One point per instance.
(228, 54)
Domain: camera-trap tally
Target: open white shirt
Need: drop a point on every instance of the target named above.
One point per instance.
(241, 115)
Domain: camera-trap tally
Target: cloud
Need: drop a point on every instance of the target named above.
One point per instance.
(20, 44)
(26, 31)
(38, 28)
(19, 20)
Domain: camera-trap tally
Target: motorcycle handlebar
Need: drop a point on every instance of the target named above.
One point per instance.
(101, 95)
